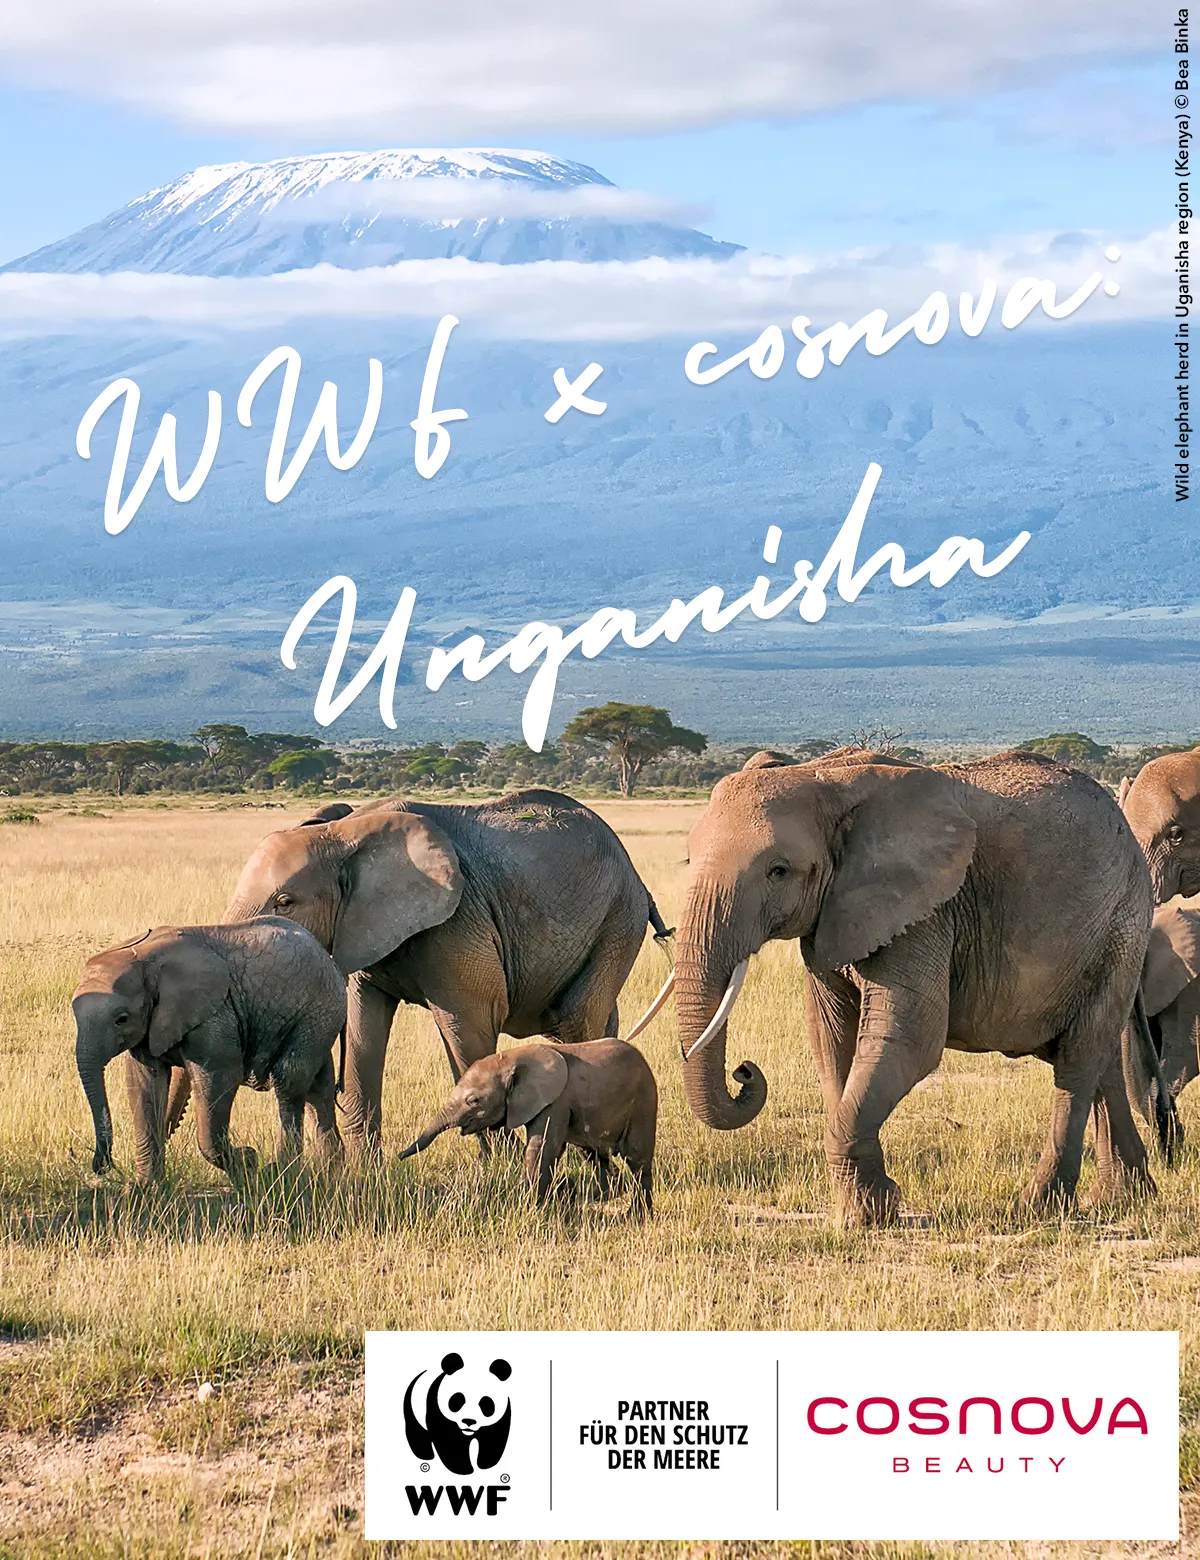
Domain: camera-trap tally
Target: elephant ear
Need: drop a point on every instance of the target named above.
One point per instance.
(188, 981)
(767, 758)
(902, 849)
(330, 813)
(1173, 955)
(536, 1078)
(401, 876)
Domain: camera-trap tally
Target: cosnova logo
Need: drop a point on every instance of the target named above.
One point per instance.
(929, 1416)
(464, 1425)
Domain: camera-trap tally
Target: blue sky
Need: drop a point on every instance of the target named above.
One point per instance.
(1081, 148)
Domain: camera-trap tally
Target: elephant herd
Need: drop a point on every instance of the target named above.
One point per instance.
(1002, 905)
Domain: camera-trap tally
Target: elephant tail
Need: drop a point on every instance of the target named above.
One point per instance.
(1166, 1117)
(661, 930)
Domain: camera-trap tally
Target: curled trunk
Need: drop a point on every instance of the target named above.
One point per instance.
(708, 955)
(91, 1075)
(436, 1127)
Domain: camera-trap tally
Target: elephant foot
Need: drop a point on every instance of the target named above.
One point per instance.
(240, 1165)
(1129, 1186)
(860, 1204)
(363, 1149)
(1052, 1197)
(328, 1153)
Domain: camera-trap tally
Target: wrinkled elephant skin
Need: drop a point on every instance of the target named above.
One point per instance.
(996, 906)
(257, 1003)
(521, 916)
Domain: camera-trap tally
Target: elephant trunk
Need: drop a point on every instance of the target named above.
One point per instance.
(440, 1123)
(91, 1066)
(240, 908)
(1145, 1084)
(707, 964)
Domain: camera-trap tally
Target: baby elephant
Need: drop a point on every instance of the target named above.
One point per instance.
(256, 1002)
(599, 1095)
(1171, 988)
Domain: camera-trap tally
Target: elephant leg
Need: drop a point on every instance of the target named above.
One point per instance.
(214, 1089)
(177, 1099)
(902, 1034)
(585, 1009)
(321, 1096)
(601, 1163)
(545, 1139)
(1086, 1053)
(832, 1010)
(291, 1125)
(637, 1150)
(369, 1014)
(146, 1084)
(1121, 1160)
(1179, 1027)
(468, 1036)
(1057, 1173)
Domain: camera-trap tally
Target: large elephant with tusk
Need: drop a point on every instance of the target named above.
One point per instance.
(996, 906)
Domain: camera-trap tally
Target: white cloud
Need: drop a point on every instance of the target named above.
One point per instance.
(619, 301)
(437, 199)
(464, 69)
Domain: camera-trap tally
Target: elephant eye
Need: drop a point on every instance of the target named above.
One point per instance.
(121, 1018)
(282, 901)
(777, 870)
(1175, 834)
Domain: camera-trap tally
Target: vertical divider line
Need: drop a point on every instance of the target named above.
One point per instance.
(551, 1435)
(776, 1435)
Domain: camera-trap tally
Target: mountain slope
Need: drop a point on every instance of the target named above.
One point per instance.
(359, 209)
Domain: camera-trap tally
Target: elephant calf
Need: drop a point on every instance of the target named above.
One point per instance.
(599, 1095)
(1171, 988)
(259, 1003)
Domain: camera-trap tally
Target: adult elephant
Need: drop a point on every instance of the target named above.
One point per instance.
(1163, 808)
(996, 906)
(522, 916)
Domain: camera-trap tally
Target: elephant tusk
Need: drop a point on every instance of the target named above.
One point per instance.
(723, 1011)
(655, 1007)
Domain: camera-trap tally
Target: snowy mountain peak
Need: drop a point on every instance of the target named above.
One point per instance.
(289, 178)
(358, 209)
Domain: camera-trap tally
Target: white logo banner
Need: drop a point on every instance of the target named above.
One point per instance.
(711, 1435)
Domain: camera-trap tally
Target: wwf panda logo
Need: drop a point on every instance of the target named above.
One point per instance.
(461, 1409)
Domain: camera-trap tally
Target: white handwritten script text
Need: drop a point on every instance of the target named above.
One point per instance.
(549, 645)
(540, 645)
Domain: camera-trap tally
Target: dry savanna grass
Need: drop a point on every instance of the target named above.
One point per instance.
(116, 1304)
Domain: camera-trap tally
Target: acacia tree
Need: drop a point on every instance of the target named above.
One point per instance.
(123, 760)
(233, 747)
(634, 735)
(296, 766)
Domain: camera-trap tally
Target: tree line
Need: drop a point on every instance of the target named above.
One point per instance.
(611, 747)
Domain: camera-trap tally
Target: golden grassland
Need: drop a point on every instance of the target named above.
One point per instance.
(115, 1304)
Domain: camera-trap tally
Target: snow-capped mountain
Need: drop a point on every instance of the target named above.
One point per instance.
(359, 209)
